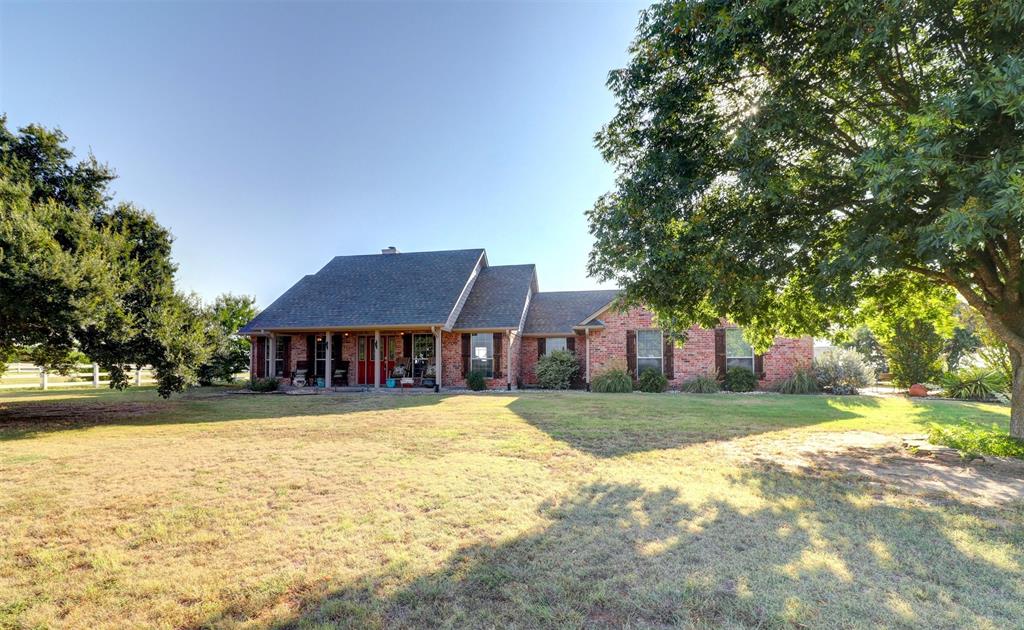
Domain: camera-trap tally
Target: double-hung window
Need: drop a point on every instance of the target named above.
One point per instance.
(648, 351)
(423, 354)
(281, 345)
(738, 353)
(481, 353)
(551, 344)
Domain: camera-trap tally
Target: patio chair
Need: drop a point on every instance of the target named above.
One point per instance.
(340, 374)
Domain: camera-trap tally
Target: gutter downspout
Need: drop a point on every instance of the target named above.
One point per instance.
(508, 360)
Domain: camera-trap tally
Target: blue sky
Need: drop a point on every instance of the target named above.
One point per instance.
(270, 137)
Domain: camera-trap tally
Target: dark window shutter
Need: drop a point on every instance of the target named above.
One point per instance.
(286, 371)
(406, 346)
(465, 354)
(759, 365)
(335, 352)
(542, 346)
(668, 357)
(631, 352)
(261, 357)
(570, 344)
(310, 356)
(497, 355)
(720, 352)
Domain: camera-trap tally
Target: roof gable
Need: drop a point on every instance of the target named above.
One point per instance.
(498, 298)
(418, 288)
(559, 312)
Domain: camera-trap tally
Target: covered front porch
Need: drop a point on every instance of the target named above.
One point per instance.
(377, 358)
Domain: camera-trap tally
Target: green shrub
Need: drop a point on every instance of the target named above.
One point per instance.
(264, 384)
(612, 381)
(475, 381)
(557, 369)
(802, 382)
(700, 384)
(740, 379)
(653, 381)
(915, 353)
(976, 439)
(972, 384)
(842, 371)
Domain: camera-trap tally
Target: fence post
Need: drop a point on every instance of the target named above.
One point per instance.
(138, 375)
(96, 375)
(42, 379)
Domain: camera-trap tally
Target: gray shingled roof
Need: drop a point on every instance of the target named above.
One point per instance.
(560, 311)
(418, 288)
(498, 297)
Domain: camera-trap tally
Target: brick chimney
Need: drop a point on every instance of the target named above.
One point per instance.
(390, 249)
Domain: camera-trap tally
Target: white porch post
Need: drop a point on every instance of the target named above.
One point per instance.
(268, 352)
(376, 359)
(508, 361)
(328, 368)
(587, 341)
(437, 358)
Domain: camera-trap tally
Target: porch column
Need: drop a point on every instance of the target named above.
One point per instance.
(327, 361)
(437, 358)
(252, 357)
(376, 359)
(508, 361)
(587, 341)
(271, 355)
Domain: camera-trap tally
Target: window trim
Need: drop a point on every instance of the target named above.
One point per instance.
(279, 344)
(547, 346)
(728, 356)
(490, 357)
(661, 350)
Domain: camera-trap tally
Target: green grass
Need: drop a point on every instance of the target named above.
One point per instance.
(553, 509)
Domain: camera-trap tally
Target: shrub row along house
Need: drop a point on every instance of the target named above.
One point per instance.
(429, 318)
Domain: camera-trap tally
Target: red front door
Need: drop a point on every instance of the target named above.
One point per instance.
(364, 358)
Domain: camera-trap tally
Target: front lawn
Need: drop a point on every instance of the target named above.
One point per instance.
(524, 510)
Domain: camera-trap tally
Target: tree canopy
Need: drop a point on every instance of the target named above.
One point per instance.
(780, 161)
(79, 272)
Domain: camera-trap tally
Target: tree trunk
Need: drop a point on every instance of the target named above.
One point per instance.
(1017, 394)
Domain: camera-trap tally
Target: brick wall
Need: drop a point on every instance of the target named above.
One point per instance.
(696, 356)
(451, 354)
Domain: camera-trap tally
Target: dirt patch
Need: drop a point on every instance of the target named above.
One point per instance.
(35, 416)
(883, 459)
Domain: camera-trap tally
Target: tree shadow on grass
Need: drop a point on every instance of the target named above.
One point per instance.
(28, 416)
(779, 549)
(610, 425)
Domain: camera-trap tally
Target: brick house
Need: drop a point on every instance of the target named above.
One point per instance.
(431, 317)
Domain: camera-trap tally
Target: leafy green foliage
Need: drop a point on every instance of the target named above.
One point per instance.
(652, 381)
(841, 371)
(80, 273)
(614, 380)
(913, 332)
(701, 384)
(801, 382)
(475, 381)
(863, 341)
(975, 383)
(740, 379)
(231, 351)
(975, 439)
(557, 369)
(780, 162)
(264, 384)
(915, 353)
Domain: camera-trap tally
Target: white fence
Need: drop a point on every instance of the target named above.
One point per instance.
(30, 376)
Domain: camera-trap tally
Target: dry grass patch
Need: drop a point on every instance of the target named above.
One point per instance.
(479, 510)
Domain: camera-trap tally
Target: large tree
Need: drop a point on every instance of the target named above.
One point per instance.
(780, 160)
(78, 272)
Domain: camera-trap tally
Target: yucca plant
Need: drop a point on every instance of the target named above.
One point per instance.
(802, 382)
(700, 384)
(974, 383)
